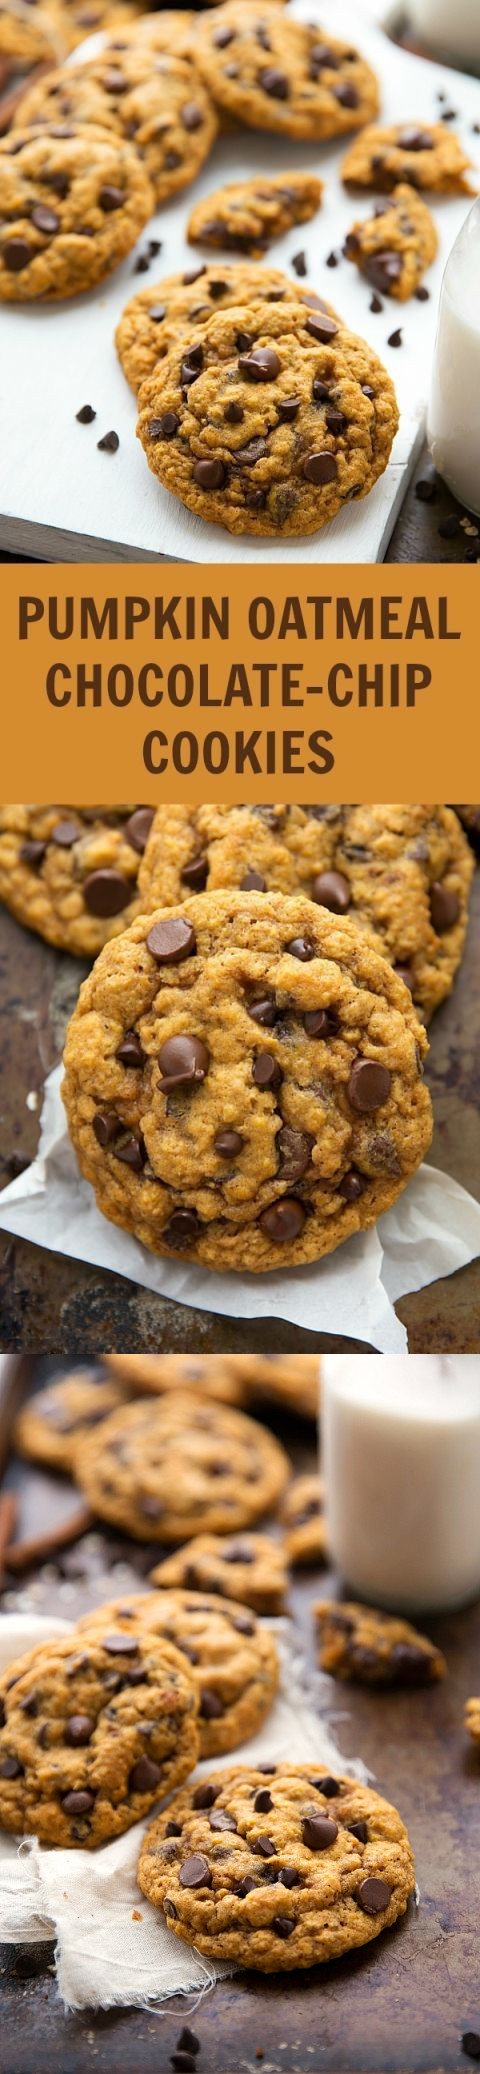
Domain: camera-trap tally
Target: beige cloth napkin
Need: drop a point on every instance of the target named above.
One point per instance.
(111, 1946)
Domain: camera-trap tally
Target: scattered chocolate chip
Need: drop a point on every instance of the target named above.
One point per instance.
(109, 444)
(422, 294)
(375, 305)
(426, 488)
(182, 1060)
(283, 1221)
(228, 1143)
(449, 527)
(188, 2041)
(106, 892)
(373, 1896)
(332, 890)
(86, 415)
(195, 1872)
(368, 1086)
(444, 907)
(266, 1070)
(172, 940)
(396, 338)
(144, 1776)
(319, 1832)
(79, 1728)
(299, 262)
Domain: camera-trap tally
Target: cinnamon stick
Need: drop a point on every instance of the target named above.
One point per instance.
(26, 1555)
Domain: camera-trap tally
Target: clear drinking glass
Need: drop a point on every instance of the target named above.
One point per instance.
(454, 408)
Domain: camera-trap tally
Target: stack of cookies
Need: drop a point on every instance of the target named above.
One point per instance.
(244, 1069)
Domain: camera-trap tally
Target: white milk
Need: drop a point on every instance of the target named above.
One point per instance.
(451, 31)
(454, 409)
(401, 1438)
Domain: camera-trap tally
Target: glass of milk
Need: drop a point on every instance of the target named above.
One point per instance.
(401, 1448)
(451, 32)
(454, 409)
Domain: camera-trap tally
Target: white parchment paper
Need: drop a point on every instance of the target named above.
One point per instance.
(433, 1229)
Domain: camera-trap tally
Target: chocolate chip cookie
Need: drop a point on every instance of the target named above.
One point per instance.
(250, 1567)
(401, 873)
(248, 214)
(472, 1719)
(94, 1730)
(275, 73)
(277, 1104)
(305, 1869)
(72, 203)
(168, 1470)
(73, 20)
(303, 1518)
(394, 247)
(52, 1421)
(289, 1380)
(429, 156)
(153, 322)
(29, 36)
(154, 101)
(360, 1643)
(271, 422)
(212, 1375)
(232, 1659)
(71, 873)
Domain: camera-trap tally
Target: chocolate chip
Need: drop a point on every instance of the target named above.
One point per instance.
(188, 2041)
(352, 1186)
(44, 219)
(328, 1786)
(164, 428)
(403, 972)
(196, 872)
(209, 474)
(222, 36)
(422, 294)
(130, 1051)
(345, 94)
(320, 467)
(426, 488)
(78, 1803)
(299, 262)
(320, 392)
(144, 1776)
(238, 1552)
(234, 414)
(182, 1230)
(106, 892)
(10, 1768)
(111, 198)
(16, 255)
(86, 415)
(332, 890)
(109, 444)
(373, 1896)
(335, 422)
(395, 338)
(211, 1707)
(243, 1622)
(252, 882)
(205, 1795)
(264, 1848)
(266, 1070)
(79, 1728)
(182, 1060)
(106, 1126)
(289, 408)
(246, 1887)
(192, 117)
(295, 1150)
(319, 1832)
(410, 1665)
(359, 1830)
(444, 907)
(264, 1012)
(263, 1801)
(228, 1143)
(375, 305)
(368, 1086)
(274, 82)
(263, 365)
(32, 853)
(137, 828)
(321, 1022)
(299, 947)
(415, 140)
(332, 259)
(65, 834)
(471, 2044)
(172, 940)
(221, 1820)
(383, 269)
(121, 1645)
(195, 1872)
(283, 1221)
(322, 327)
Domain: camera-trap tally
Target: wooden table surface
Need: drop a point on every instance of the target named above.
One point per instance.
(47, 1301)
(400, 2006)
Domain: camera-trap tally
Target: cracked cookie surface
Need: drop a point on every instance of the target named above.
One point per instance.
(94, 1731)
(394, 247)
(71, 873)
(271, 422)
(52, 1421)
(304, 1869)
(277, 1103)
(426, 156)
(156, 319)
(71, 207)
(152, 100)
(374, 1648)
(232, 1659)
(247, 215)
(275, 73)
(248, 1567)
(167, 1470)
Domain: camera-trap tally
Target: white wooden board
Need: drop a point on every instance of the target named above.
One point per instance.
(62, 499)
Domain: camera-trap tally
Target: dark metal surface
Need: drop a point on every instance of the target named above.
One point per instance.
(398, 2007)
(48, 1301)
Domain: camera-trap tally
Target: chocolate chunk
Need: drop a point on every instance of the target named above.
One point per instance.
(211, 1707)
(144, 1776)
(352, 1186)
(274, 82)
(319, 1832)
(182, 1230)
(283, 1221)
(79, 1728)
(130, 1051)
(205, 1795)
(295, 1149)
(137, 828)
(322, 327)
(373, 1896)
(182, 1060)
(368, 1086)
(228, 1143)
(209, 474)
(109, 444)
(263, 365)
(106, 892)
(32, 853)
(164, 428)
(321, 1022)
(16, 255)
(332, 890)
(300, 948)
(172, 940)
(320, 468)
(78, 1803)
(263, 1801)
(107, 1126)
(444, 907)
(266, 1070)
(195, 1872)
